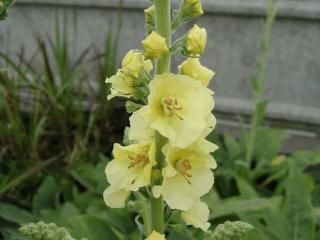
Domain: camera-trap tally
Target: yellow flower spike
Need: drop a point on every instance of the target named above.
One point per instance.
(178, 107)
(193, 68)
(188, 174)
(197, 216)
(196, 40)
(115, 198)
(133, 63)
(154, 45)
(132, 165)
(192, 8)
(156, 236)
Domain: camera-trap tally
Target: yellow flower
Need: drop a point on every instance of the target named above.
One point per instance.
(193, 68)
(132, 165)
(156, 236)
(178, 107)
(154, 45)
(192, 8)
(115, 198)
(121, 85)
(197, 216)
(139, 130)
(187, 175)
(196, 40)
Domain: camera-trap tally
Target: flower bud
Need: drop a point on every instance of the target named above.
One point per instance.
(192, 8)
(196, 40)
(154, 45)
(193, 68)
(132, 63)
(149, 15)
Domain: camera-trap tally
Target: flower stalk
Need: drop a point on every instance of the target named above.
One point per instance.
(163, 27)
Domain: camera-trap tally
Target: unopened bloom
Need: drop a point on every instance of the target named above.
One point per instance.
(115, 198)
(149, 14)
(133, 63)
(156, 236)
(178, 107)
(196, 40)
(132, 165)
(192, 8)
(154, 45)
(197, 216)
(187, 175)
(193, 68)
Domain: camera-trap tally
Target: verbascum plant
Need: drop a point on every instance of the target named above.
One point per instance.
(167, 164)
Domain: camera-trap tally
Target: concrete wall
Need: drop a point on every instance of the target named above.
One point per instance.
(234, 29)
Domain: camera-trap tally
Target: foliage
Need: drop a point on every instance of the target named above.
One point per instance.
(4, 5)
(47, 118)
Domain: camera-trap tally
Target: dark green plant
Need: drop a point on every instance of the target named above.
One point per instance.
(4, 6)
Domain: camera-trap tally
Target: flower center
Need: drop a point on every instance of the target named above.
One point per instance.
(140, 159)
(183, 166)
(171, 106)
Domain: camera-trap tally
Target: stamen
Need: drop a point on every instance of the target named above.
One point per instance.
(170, 106)
(184, 167)
(139, 159)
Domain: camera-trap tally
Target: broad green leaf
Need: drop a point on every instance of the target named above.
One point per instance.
(236, 205)
(11, 234)
(90, 176)
(15, 214)
(245, 188)
(304, 159)
(232, 146)
(297, 206)
(268, 143)
(46, 195)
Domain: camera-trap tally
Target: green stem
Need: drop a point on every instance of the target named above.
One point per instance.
(163, 27)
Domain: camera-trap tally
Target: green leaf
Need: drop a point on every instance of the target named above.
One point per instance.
(297, 206)
(236, 205)
(15, 214)
(90, 176)
(46, 195)
(232, 146)
(11, 234)
(245, 188)
(268, 143)
(304, 159)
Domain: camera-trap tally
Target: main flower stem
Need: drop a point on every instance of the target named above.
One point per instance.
(163, 27)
